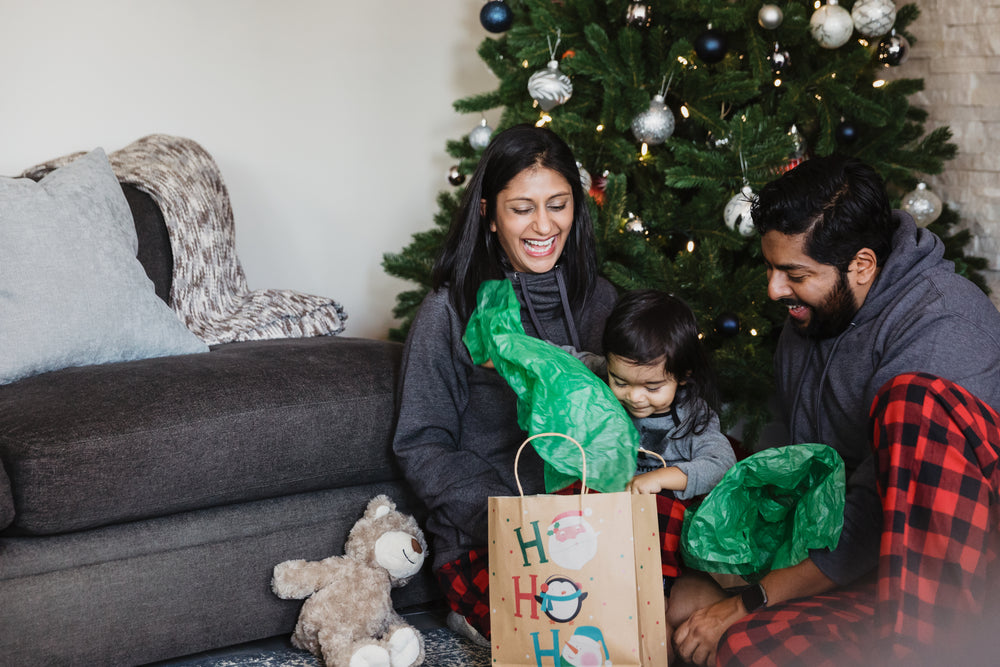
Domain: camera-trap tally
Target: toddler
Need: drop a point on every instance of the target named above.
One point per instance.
(659, 372)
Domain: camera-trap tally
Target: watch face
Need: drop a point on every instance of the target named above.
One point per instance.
(753, 597)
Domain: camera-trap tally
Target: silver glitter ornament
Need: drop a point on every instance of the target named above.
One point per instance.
(873, 18)
(656, 124)
(639, 14)
(894, 50)
(585, 180)
(550, 87)
(480, 136)
(831, 25)
(634, 225)
(923, 205)
(770, 16)
(737, 211)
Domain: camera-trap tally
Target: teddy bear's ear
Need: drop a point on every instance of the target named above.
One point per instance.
(379, 506)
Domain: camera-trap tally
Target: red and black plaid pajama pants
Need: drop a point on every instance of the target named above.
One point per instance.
(935, 601)
(465, 580)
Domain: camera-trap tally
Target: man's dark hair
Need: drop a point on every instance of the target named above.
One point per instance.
(839, 202)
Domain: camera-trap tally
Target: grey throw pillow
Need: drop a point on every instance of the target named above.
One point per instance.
(72, 292)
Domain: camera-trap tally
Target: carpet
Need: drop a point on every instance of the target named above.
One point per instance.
(442, 647)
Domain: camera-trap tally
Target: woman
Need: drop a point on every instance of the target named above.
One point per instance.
(523, 218)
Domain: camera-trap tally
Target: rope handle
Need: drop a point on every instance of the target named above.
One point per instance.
(652, 453)
(583, 455)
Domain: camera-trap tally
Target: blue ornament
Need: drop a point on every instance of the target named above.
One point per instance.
(727, 324)
(496, 16)
(711, 46)
(846, 133)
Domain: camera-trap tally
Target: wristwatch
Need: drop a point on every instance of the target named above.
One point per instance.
(754, 598)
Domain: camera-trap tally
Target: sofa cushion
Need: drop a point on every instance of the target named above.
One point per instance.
(119, 442)
(73, 291)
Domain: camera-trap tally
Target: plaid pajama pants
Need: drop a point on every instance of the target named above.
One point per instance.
(935, 599)
(465, 580)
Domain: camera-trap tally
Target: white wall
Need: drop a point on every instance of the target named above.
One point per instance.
(328, 118)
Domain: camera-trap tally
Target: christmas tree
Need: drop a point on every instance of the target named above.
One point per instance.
(678, 110)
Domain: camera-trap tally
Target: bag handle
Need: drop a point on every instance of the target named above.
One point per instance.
(583, 455)
(652, 453)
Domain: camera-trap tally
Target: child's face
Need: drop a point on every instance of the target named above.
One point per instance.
(644, 389)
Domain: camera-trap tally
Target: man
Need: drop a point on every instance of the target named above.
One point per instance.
(892, 359)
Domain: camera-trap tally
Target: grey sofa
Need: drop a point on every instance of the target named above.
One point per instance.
(143, 504)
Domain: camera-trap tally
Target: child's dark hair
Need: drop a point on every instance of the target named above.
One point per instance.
(647, 326)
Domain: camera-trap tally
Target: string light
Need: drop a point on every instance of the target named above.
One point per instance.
(600, 128)
(878, 83)
(777, 83)
(690, 246)
(543, 120)
(524, 64)
(753, 332)
(684, 111)
(644, 150)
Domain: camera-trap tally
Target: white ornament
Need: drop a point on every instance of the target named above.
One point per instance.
(923, 205)
(873, 18)
(770, 16)
(656, 124)
(480, 136)
(550, 87)
(831, 25)
(737, 211)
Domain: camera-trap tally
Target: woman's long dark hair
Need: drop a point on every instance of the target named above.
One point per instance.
(472, 253)
(649, 326)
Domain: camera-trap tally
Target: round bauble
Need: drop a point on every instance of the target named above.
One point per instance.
(831, 25)
(846, 132)
(634, 225)
(873, 18)
(779, 59)
(894, 50)
(550, 87)
(455, 177)
(711, 46)
(656, 124)
(727, 324)
(639, 14)
(737, 211)
(923, 205)
(480, 136)
(770, 16)
(496, 16)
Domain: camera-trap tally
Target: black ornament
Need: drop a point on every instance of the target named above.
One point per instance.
(779, 59)
(496, 16)
(894, 50)
(846, 133)
(711, 46)
(727, 324)
(455, 177)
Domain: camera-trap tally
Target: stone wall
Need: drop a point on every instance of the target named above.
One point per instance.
(957, 54)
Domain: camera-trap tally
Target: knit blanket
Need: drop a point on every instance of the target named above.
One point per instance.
(209, 290)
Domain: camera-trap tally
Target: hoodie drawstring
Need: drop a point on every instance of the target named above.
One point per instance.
(567, 311)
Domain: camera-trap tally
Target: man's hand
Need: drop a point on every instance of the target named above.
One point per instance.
(697, 639)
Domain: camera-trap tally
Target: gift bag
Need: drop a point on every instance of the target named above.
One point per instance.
(575, 579)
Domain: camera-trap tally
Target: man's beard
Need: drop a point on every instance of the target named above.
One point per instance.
(834, 315)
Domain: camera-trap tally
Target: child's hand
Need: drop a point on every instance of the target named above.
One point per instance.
(644, 483)
(663, 479)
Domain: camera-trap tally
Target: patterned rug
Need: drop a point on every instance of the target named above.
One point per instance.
(442, 647)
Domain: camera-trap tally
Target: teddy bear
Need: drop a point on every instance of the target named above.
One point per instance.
(348, 619)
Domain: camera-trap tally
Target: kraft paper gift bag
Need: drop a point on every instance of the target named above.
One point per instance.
(575, 580)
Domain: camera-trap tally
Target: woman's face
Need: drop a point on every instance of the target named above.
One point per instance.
(534, 215)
